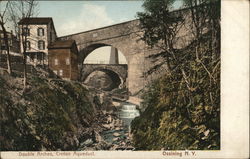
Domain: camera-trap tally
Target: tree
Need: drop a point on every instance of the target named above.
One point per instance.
(3, 21)
(205, 15)
(20, 10)
(160, 28)
(185, 110)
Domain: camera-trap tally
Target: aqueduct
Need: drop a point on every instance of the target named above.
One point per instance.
(126, 38)
(122, 36)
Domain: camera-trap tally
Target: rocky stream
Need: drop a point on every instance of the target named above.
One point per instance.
(112, 129)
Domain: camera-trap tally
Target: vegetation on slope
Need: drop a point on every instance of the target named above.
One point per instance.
(180, 116)
(50, 115)
(182, 108)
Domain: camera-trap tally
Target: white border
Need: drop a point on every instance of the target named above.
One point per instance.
(234, 94)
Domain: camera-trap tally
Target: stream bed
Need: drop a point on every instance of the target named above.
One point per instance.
(114, 130)
(119, 135)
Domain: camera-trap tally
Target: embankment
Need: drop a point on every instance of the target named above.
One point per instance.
(52, 114)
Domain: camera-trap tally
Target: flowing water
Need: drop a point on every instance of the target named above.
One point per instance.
(121, 136)
(127, 113)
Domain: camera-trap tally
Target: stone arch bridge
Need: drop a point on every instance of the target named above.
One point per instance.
(117, 71)
(122, 36)
(126, 37)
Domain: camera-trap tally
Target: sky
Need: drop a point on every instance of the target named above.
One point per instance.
(76, 16)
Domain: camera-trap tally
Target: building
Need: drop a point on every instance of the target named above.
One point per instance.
(63, 59)
(40, 33)
(12, 41)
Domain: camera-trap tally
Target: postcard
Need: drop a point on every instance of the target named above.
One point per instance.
(124, 79)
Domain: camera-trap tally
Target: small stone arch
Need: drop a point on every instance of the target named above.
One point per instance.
(117, 79)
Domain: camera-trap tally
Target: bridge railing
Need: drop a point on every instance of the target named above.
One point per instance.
(101, 62)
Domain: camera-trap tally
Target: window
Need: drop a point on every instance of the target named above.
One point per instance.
(40, 32)
(60, 72)
(27, 45)
(26, 31)
(41, 45)
(56, 61)
(55, 72)
(67, 61)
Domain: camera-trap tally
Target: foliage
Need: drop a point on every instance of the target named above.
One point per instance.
(177, 117)
(158, 24)
(46, 117)
(182, 108)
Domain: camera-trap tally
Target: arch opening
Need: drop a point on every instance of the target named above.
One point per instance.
(104, 79)
(102, 54)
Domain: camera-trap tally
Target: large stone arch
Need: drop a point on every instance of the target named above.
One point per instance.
(84, 52)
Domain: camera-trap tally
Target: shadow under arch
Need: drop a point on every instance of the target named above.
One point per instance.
(116, 80)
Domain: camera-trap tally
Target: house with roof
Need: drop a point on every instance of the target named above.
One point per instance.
(37, 34)
(63, 60)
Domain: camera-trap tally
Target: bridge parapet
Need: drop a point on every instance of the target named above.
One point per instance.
(104, 33)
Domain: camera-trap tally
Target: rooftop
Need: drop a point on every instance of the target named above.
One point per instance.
(40, 20)
(61, 44)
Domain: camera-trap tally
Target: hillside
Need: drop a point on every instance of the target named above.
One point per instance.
(50, 115)
(182, 108)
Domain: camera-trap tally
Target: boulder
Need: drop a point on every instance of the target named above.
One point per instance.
(117, 128)
(115, 139)
(107, 126)
(116, 134)
(87, 142)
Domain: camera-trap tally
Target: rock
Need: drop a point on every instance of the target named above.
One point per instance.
(109, 119)
(98, 137)
(76, 140)
(117, 128)
(89, 149)
(114, 147)
(115, 139)
(206, 132)
(112, 125)
(116, 134)
(102, 146)
(88, 142)
(107, 126)
(104, 112)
